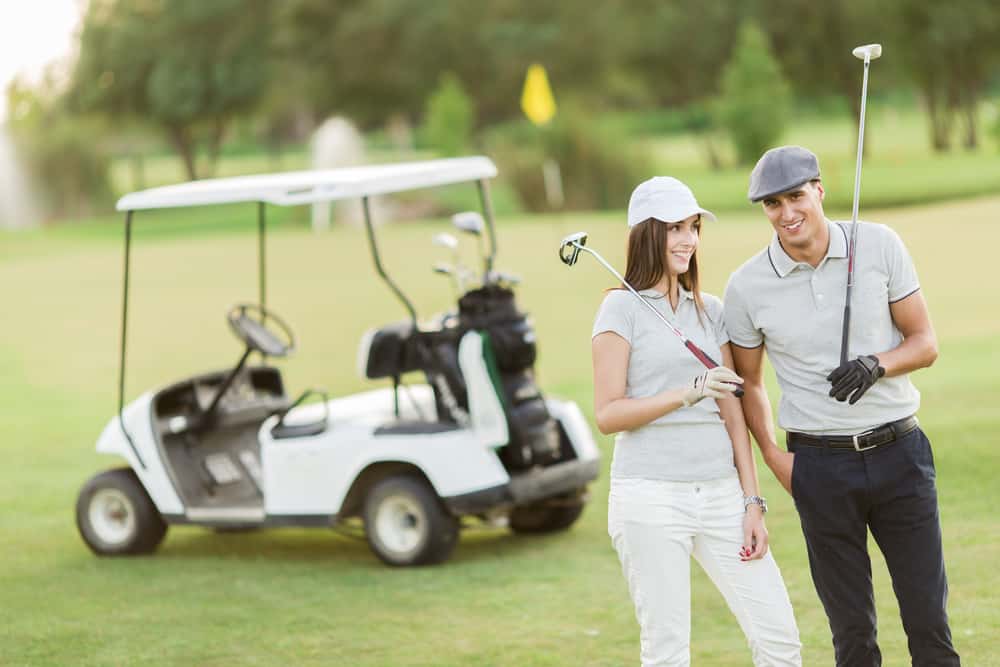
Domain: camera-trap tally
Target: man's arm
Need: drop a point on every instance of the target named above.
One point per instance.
(749, 364)
(919, 347)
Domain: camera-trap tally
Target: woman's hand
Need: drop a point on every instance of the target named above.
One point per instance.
(754, 534)
(718, 382)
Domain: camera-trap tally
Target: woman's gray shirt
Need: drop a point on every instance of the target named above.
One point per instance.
(687, 444)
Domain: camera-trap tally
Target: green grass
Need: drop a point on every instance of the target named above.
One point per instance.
(303, 597)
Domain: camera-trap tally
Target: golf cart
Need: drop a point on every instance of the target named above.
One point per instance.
(231, 449)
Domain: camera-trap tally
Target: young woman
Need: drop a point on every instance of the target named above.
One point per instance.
(683, 481)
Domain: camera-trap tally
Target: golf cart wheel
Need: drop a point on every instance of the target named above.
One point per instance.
(115, 516)
(545, 518)
(406, 524)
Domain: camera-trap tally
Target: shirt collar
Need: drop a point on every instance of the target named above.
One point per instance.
(783, 264)
(657, 294)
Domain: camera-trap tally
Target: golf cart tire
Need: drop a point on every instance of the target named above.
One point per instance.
(541, 518)
(407, 524)
(136, 528)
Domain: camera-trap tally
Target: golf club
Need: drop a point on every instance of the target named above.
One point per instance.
(867, 53)
(471, 222)
(504, 279)
(457, 271)
(445, 240)
(443, 269)
(575, 243)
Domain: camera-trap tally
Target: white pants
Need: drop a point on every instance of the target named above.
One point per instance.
(656, 527)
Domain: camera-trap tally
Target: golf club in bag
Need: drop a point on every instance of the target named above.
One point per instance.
(569, 252)
(867, 53)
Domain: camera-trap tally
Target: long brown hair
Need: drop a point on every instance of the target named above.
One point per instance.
(645, 260)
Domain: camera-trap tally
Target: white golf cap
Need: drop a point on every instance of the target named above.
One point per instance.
(665, 199)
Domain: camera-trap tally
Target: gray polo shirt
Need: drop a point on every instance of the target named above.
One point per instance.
(797, 311)
(688, 444)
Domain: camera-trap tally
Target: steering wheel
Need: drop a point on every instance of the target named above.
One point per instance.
(256, 333)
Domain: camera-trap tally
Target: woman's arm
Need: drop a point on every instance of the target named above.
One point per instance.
(612, 410)
(754, 532)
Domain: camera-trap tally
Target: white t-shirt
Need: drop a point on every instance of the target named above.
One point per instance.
(687, 444)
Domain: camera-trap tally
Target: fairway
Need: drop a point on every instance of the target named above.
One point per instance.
(298, 597)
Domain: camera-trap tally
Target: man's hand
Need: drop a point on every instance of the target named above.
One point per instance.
(780, 462)
(855, 376)
(718, 382)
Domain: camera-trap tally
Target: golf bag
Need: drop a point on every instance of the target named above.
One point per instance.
(534, 434)
(398, 348)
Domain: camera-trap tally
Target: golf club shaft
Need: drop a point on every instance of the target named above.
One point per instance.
(699, 354)
(846, 334)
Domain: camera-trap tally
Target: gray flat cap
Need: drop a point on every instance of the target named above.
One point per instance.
(781, 169)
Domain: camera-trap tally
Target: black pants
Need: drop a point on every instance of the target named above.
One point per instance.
(840, 494)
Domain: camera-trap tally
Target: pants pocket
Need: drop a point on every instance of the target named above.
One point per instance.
(917, 450)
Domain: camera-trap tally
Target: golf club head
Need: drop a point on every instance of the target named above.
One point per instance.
(445, 240)
(443, 269)
(504, 278)
(469, 221)
(868, 52)
(569, 247)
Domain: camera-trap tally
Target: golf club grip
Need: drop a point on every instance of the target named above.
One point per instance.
(709, 362)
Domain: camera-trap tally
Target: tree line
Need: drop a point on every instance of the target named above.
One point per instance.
(189, 68)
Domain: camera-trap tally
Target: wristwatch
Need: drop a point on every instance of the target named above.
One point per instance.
(755, 500)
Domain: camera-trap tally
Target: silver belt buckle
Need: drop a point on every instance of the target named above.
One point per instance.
(854, 439)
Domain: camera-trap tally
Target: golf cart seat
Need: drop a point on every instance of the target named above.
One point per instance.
(388, 352)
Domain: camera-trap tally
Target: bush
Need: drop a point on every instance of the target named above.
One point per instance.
(448, 118)
(755, 96)
(599, 168)
(65, 164)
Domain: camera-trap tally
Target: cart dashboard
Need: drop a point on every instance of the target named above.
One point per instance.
(255, 394)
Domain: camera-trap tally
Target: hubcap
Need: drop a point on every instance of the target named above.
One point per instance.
(400, 524)
(112, 516)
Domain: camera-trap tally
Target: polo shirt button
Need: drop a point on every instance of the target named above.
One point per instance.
(819, 296)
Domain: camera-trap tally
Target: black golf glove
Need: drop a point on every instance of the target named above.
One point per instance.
(855, 376)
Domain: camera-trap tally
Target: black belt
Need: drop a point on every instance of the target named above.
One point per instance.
(880, 435)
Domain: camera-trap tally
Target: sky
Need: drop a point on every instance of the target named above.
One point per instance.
(34, 33)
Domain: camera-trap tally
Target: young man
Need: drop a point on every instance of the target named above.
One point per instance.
(856, 459)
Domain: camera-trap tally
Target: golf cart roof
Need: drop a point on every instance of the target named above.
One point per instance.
(306, 187)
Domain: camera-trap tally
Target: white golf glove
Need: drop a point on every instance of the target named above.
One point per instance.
(718, 382)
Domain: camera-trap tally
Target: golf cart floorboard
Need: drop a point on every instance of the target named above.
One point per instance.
(245, 517)
(211, 471)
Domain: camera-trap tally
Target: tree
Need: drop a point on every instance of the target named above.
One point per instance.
(950, 50)
(755, 97)
(813, 41)
(187, 66)
(69, 169)
(678, 48)
(449, 117)
(372, 59)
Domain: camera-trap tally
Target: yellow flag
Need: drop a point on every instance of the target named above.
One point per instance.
(536, 99)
